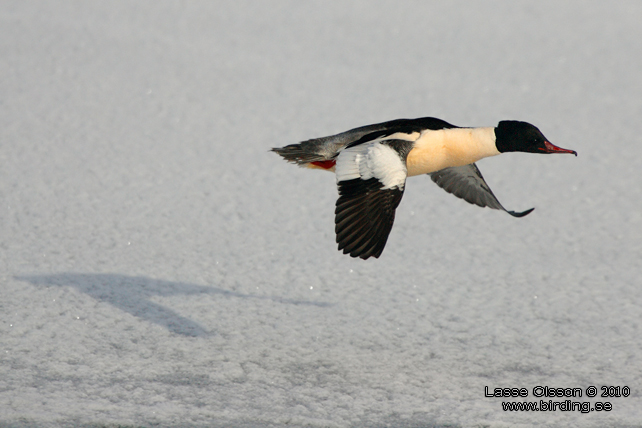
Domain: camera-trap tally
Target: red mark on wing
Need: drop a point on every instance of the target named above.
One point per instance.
(324, 164)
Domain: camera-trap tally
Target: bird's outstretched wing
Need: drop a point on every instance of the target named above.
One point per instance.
(467, 183)
(364, 216)
(371, 179)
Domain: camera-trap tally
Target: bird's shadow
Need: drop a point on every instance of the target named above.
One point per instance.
(132, 294)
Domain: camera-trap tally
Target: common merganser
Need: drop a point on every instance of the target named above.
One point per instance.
(372, 163)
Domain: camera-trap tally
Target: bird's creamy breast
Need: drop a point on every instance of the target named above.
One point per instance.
(436, 150)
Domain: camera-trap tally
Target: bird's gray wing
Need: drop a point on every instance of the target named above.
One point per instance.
(467, 183)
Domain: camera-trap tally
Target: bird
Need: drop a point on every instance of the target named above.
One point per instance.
(371, 164)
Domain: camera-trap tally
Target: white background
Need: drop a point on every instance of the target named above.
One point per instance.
(160, 267)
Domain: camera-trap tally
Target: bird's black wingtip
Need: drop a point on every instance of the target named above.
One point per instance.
(522, 214)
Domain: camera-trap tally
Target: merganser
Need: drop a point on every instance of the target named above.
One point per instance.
(372, 163)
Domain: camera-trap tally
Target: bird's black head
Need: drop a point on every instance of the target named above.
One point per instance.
(515, 136)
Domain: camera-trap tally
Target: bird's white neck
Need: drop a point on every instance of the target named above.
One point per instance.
(436, 150)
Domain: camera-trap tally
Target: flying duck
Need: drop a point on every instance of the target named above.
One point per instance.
(372, 162)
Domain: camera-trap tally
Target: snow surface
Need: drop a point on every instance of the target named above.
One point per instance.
(159, 267)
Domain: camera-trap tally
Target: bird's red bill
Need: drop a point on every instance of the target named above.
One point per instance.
(552, 148)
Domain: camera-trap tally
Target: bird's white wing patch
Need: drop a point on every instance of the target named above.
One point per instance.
(372, 160)
(347, 166)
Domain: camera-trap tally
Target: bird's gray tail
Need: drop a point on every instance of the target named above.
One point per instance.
(305, 152)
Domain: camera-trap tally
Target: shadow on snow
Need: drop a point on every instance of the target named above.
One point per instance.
(132, 294)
